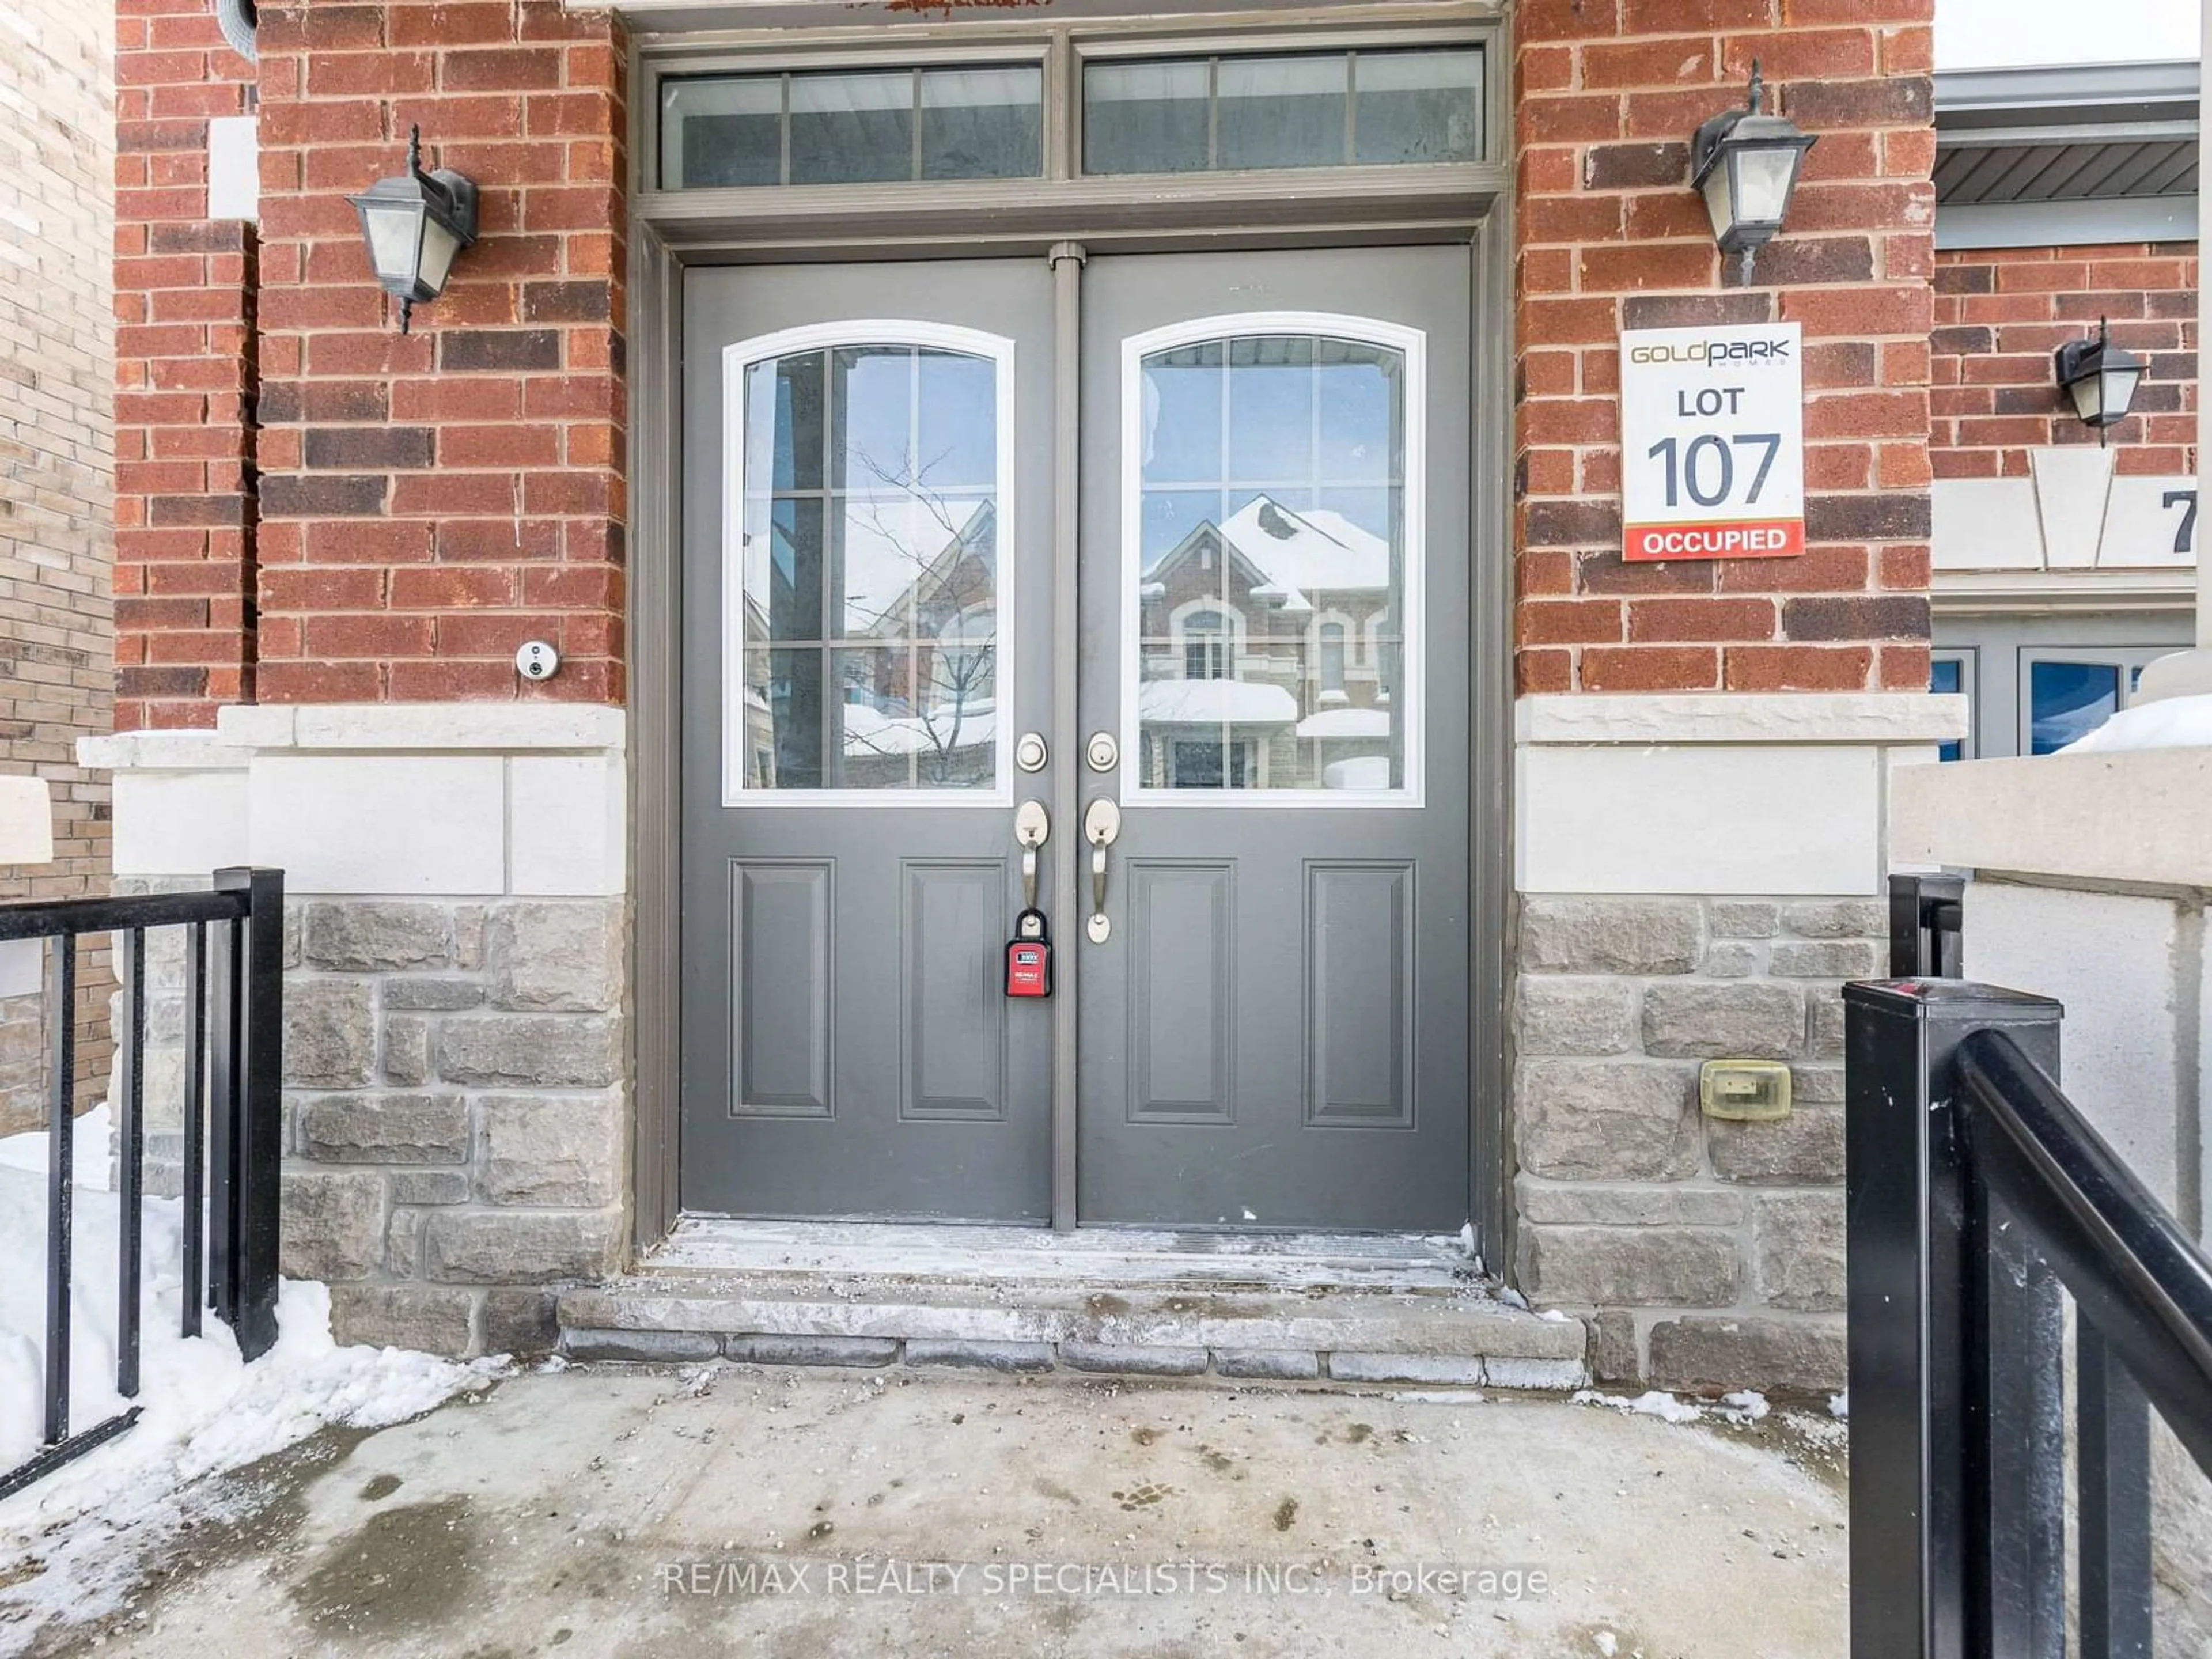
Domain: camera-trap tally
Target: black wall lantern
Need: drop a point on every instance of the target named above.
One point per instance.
(1746, 163)
(2100, 378)
(415, 225)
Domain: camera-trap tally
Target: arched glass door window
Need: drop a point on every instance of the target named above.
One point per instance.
(1272, 471)
(870, 477)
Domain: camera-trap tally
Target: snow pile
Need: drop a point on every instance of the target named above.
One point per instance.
(205, 1409)
(1749, 1401)
(2174, 723)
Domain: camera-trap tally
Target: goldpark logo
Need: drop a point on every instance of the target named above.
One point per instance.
(1712, 352)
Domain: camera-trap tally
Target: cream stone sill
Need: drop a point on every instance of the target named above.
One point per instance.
(2137, 818)
(243, 731)
(420, 727)
(1733, 717)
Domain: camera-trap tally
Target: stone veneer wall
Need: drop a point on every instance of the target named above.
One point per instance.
(1709, 1253)
(455, 1113)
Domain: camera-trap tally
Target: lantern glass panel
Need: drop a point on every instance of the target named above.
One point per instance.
(440, 245)
(395, 240)
(2119, 392)
(1763, 177)
(1720, 200)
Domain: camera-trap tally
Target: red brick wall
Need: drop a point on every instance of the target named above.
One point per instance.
(2000, 314)
(184, 378)
(1611, 236)
(430, 500)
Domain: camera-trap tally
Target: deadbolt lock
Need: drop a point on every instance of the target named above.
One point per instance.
(1101, 752)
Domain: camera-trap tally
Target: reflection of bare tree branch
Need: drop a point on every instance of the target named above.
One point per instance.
(964, 672)
(959, 673)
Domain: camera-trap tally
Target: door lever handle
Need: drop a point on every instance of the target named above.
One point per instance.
(1032, 828)
(1102, 823)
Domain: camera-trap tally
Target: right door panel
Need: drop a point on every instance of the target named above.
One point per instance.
(1275, 1028)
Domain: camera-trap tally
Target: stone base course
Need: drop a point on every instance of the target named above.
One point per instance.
(1704, 1254)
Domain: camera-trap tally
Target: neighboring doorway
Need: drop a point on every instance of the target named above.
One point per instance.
(1272, 1018)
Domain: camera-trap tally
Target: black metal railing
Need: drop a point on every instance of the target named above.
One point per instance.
(233, 990)
(1927, 926)
(1977, 1194)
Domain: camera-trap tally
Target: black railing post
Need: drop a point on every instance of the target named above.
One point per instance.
(130, 1159)
(257, 1146)
(2112, 1478)
(1924, 1549)
(1927, 926)
(226, 1087)
(61, 1183)
(193, 1295)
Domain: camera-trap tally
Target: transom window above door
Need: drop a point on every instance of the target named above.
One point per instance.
(867, 483)
(853, 126)
(1296, 110)
(1272, 484)
(1069, 107)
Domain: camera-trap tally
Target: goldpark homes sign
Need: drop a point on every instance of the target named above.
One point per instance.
(1712, 426)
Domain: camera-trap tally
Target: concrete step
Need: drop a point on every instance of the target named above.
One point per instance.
(1366, 1310)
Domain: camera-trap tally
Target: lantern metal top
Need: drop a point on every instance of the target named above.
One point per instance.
(1747, 202)
(1748, 128)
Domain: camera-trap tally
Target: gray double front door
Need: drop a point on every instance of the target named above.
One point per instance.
(1268, 961)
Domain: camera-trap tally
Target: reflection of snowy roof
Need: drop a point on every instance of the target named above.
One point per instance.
(1296, 553)
(1214, 702)
(1346, 723)
(870, 732)
(1365, 772)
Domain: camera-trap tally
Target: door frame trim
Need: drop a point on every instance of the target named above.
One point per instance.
(1478, 207)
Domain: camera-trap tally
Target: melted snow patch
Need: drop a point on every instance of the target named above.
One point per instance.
(1750, 1402)
(1653, 1403)
(205, 1410)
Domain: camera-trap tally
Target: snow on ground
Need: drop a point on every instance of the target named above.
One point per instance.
(2172, 723)
(1744, 1407)
(206, 1410)
(1651, 1404)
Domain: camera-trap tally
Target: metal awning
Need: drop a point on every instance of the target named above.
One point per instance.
(2090, 153)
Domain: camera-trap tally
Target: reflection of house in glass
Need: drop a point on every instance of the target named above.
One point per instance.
(1270, 655)
(910, 700)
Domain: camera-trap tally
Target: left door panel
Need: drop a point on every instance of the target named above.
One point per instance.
(866, 598)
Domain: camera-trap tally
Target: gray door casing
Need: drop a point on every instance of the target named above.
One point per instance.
(847, 1047)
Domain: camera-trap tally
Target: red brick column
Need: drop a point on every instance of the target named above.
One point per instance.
(430, 500)
(1612, 236)
(2000, 314)
(184, 378)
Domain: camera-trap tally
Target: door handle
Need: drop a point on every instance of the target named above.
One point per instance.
(1032, 828)
(1102, 823)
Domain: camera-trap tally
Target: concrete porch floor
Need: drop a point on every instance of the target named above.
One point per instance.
(635, 1511)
